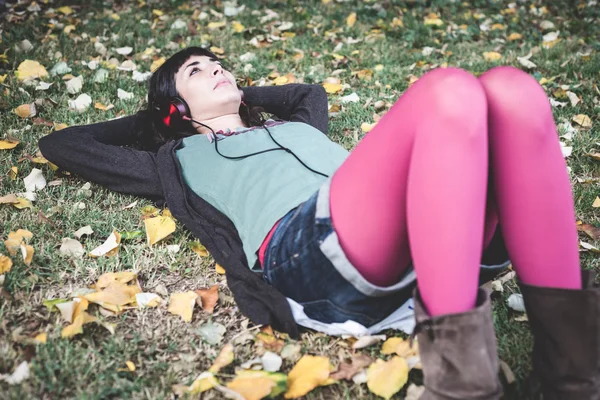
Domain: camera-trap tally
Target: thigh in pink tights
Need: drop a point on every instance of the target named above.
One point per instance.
(452, 158)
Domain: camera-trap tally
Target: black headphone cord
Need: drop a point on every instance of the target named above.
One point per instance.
(259, 152)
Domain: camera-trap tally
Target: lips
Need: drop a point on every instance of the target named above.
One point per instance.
(222, 82)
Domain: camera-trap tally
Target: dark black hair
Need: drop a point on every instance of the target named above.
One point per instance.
(150, 132)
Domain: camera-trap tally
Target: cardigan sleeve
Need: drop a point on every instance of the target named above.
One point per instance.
(94, 152)
(292, 102)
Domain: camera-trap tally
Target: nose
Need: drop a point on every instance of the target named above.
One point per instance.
(217, 69)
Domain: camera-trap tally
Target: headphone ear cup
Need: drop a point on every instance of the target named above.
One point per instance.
(172, 113)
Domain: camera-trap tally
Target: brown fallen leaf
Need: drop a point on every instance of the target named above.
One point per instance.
(269, 339)
(590, 230)
(347, 370)
(9, 199)
(207, 298)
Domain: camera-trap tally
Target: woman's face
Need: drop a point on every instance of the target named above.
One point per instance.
(199, 83)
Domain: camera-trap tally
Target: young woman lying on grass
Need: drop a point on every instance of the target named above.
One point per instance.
(344, 234)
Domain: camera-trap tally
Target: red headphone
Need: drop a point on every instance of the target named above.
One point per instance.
(174, 113)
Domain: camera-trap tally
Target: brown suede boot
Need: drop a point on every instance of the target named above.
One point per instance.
(458, 352)
(566, 332)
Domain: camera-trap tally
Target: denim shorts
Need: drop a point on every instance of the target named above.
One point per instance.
(305, 262)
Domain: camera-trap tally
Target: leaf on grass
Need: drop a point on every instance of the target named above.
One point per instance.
(199, 249)
(26, 110)
(158, 228)
(590, 230)
(596, 202)
(400, 347)
(71, 247)
(491, 56)
(41, 338)
(366, 341)
(35, 180)
(271, 362)
(278, 378)
(332, 88)
(114, 296)
(5, 264)
(8, 144)
(252, 388)
(224, 358)
(77, 326)
(16, 239)
(583, 120)
(51, 304)
(347, 370)
(219, 270)
(29, 70)
(386, 378)
(19, 375)
(27, 253)
(121, 277)
(212, 333)
(9, 199)
(269, 340)
(86, 230)
(109, 248)
(515, 301)
(207, 298)
(81, 103)
(308, 373)
(589, 247)
(351, 20)
(149, 300)
(205, 381)
(182, 304)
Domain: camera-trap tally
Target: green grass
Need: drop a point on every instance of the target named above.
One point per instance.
(166, 350)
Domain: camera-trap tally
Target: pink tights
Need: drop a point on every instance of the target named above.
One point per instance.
(417, 189)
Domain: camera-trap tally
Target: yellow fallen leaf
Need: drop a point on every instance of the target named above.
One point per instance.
(115, 16)
(514, 36)
(308, 373)
(109, 248)
(100, 106)
(596, 202)
(219, 270)
(205, 381)
(77, 326)
(27, 253)
(497, 26)
(351, 20)
(224, 358)
(130, 365)
(237, 27)
(280, 80)
(66, 10)
(366, 127)
(389, 346)
(122, 277)
(158, 228)
(252, 388)
(30, 69)
(115, 294)
(386, 378)
(3, 78)
(23, 203)
(156, 64)
(14, 171)
(58, 127)
(491, 55)
(68, 29)
(433, 19)
(41, 338)
(217, 50)
(158, 13)
(583, 120)
(182, 304)
(199, 249)
(25, 110)
(332, 87)
(5, 264)
(8, 144)
(167, 213)
(16, 239)
(216, 25)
